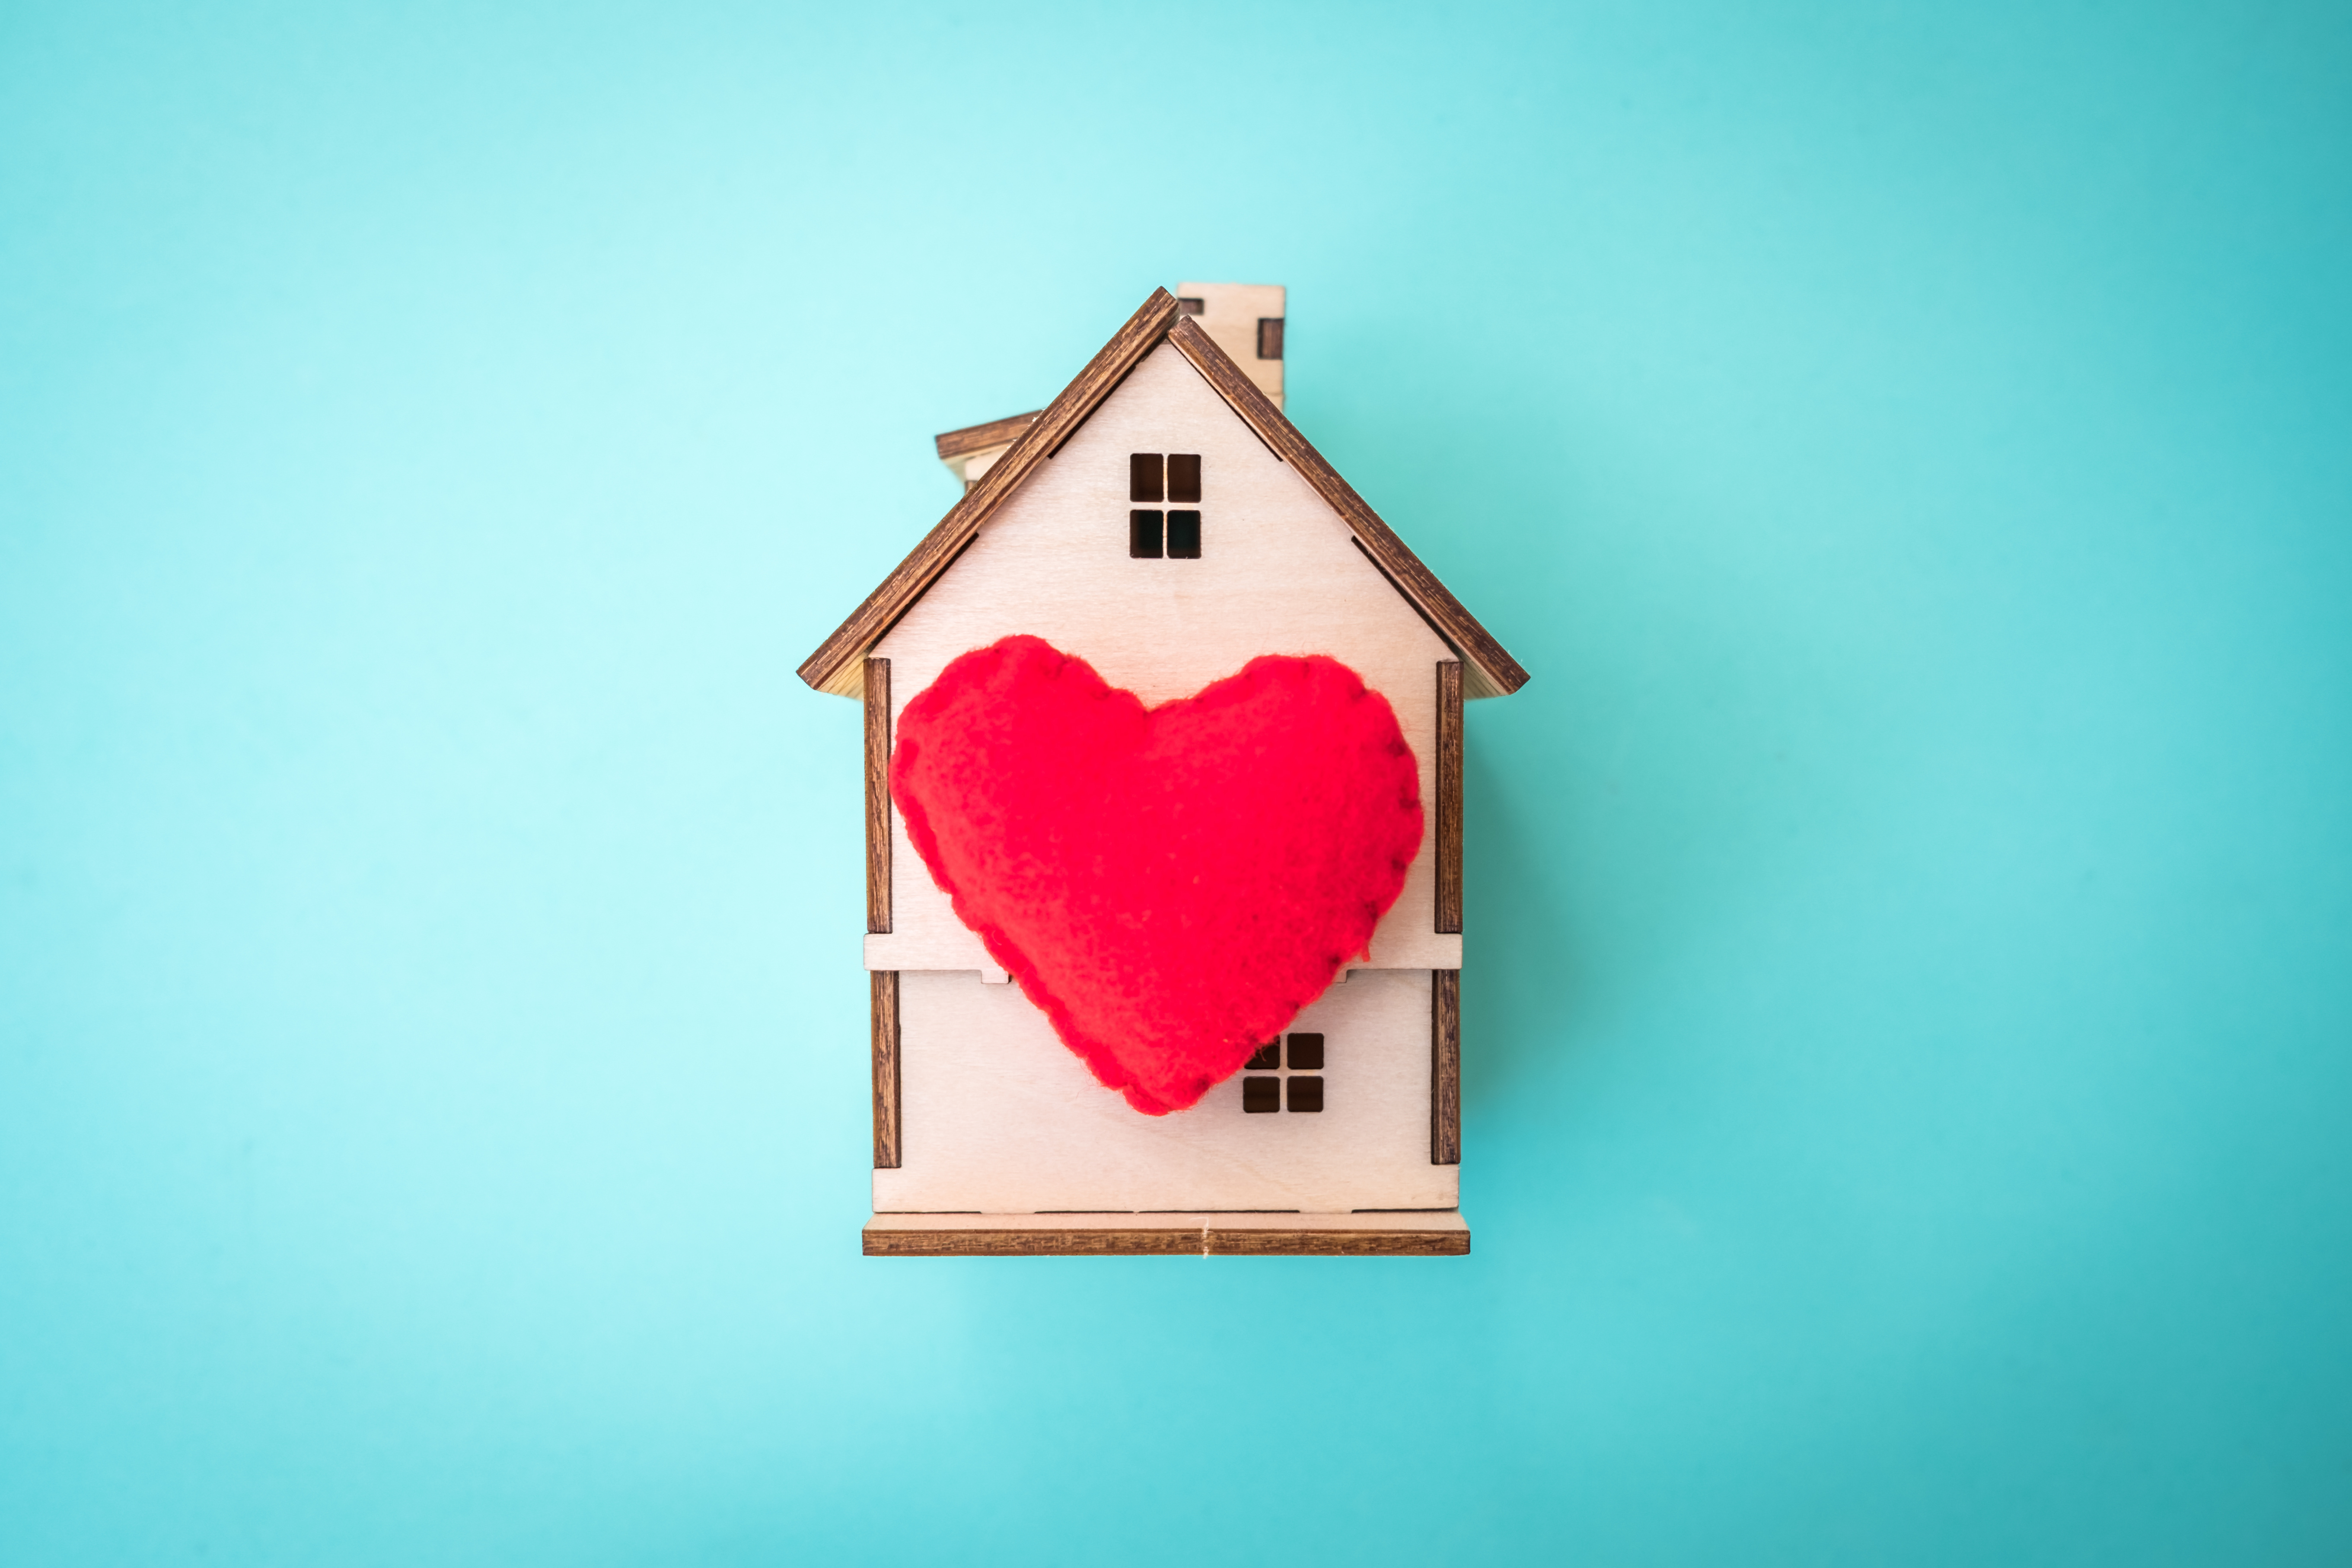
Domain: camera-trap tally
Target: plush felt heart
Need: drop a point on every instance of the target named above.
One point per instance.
(1170, 885)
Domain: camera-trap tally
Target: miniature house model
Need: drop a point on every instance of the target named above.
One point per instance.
(1163, 522)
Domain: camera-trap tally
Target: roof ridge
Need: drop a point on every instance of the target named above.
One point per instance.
(835, 665)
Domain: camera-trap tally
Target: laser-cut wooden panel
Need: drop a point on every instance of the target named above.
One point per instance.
(877, 795)
(999, 1117)
(1445, 1068)
(884, 1025)
(1434, 1234)
(1281, 575)
(1449, 796)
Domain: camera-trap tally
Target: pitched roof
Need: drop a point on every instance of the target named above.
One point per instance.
(981, 437)
(838, 664)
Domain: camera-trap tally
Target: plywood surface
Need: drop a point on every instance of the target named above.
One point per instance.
(1231, 319)
(1445, 1068)
(1279, 572)
(1421, 1235)
(883, 1026)
(998, 1116)
(834, 665)
(1491, 671)
(878, 812)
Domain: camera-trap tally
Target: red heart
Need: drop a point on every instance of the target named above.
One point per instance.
(1172, 885)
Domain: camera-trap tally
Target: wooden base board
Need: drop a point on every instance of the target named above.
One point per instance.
(1416, 1233)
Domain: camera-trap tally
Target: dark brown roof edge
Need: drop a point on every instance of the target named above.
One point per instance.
(1404, 569)
(979, 437)
(835, 665)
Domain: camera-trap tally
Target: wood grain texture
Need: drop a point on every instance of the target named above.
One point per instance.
(1280, 573)
(1012, 1240)
(1449, 796)
(997, 1115)
(981, 437)
(1230, 314)
(1498, 673)
(887, 1151)
(1424, 1234)
(1369, 1242)
(834, 667)
(878, 795)
(1445, 1068)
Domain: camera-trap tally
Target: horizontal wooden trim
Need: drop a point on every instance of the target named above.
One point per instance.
(1441, 1233)
(1369, 1242)
(834, 667)
(1031, 1241)
(1500, 671)
(981, 437)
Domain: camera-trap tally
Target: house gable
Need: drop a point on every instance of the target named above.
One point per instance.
(1280, 572)
(835, 665)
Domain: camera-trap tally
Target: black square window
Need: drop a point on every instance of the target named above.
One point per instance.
(1263, 1094)
(1306, 1051)
(1268, 1057)
(1188, 306)
(1143, 536)
(1305, 1093)
(1183, 535)
(1143, 472)
(1183, 475)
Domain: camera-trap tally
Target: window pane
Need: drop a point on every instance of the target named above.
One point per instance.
(1269, 337)
(1260, 1094)
(1305, 1093)
(1143, 536)
(1143, 476)
(1268, 1057)
(1306, 1051)
(1183, 475)
(1188, 306)
(1183, 535)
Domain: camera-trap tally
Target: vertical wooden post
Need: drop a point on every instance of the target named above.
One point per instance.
(878, 795)
(1446, 1066)
(1449, 795)
(886, 1069)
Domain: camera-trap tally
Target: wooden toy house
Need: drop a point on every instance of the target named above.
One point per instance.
(1163, 520)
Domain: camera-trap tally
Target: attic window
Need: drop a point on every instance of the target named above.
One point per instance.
(1189, 307)
(1269, 337)
(1155, 476)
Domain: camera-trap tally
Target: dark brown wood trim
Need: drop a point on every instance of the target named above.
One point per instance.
(981, 437)
(1449, 795)
(877, 795)
(1446, 1066)
(1500, 672)
(886, 1149)
(890, 1235)
(1032, 1241)
(832, 667)
(1366, 1243)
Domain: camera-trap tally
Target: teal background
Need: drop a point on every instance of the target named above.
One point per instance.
(1908, 1010)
